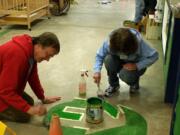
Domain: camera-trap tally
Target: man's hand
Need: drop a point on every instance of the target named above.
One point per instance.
(97, 78)
(48, 100)
(130, 66)
(37, 110)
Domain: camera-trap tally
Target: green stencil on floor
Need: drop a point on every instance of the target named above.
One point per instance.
(73, 131)
(135, 124)
(112, 110)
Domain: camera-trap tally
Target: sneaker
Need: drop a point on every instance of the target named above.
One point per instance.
(111, 90)
(134, 88)
(129, 22)
(132, 24)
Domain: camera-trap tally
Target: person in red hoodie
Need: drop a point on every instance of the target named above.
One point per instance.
(18, 65)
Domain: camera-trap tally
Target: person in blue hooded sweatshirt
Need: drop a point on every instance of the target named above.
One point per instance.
(126, 56)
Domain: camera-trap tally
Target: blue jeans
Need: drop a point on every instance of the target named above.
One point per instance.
(114, 67)
(139, 8)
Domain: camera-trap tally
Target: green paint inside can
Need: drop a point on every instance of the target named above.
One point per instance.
(94, 101)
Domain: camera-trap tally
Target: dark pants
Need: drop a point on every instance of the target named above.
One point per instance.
(114, 67)
(149, 6)
(12, 114)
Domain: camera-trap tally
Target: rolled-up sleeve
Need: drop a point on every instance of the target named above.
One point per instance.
(100, 55)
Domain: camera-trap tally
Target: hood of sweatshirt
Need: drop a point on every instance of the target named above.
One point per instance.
(25, 42)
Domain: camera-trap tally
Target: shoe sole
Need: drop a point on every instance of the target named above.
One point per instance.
(112, 94)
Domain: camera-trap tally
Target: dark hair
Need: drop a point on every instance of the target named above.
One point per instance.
(123, 40)
(47, 39)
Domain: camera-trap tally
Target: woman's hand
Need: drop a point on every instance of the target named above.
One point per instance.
(49, 100)
(97, 78)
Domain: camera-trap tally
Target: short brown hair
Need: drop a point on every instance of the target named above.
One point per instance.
(47, 39)
(123, 40)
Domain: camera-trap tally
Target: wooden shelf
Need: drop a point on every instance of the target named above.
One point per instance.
(23, 12)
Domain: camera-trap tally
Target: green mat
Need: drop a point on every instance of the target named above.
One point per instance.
(135, 123)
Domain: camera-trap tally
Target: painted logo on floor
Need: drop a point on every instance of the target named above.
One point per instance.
(117, 120)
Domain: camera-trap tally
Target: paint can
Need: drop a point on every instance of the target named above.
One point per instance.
(94, 110)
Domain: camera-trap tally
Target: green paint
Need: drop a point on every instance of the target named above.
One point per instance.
(94, 102)
(177, 119)
(112, 110)
(168, 51)
(73, 131)
(135, 123)
(2, 33)
(58, 109)
(68, 115)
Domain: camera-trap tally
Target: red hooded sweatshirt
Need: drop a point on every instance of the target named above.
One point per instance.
(16, 71)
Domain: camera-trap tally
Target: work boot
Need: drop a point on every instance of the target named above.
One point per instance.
(111, 90)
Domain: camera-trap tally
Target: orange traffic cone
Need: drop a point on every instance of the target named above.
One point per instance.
(55, 126)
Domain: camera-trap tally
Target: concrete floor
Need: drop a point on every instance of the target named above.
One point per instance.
(81, 33)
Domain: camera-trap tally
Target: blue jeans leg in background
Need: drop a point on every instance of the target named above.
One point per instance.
(139, 8)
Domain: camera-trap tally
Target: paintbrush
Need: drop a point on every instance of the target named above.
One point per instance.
(100, 93)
